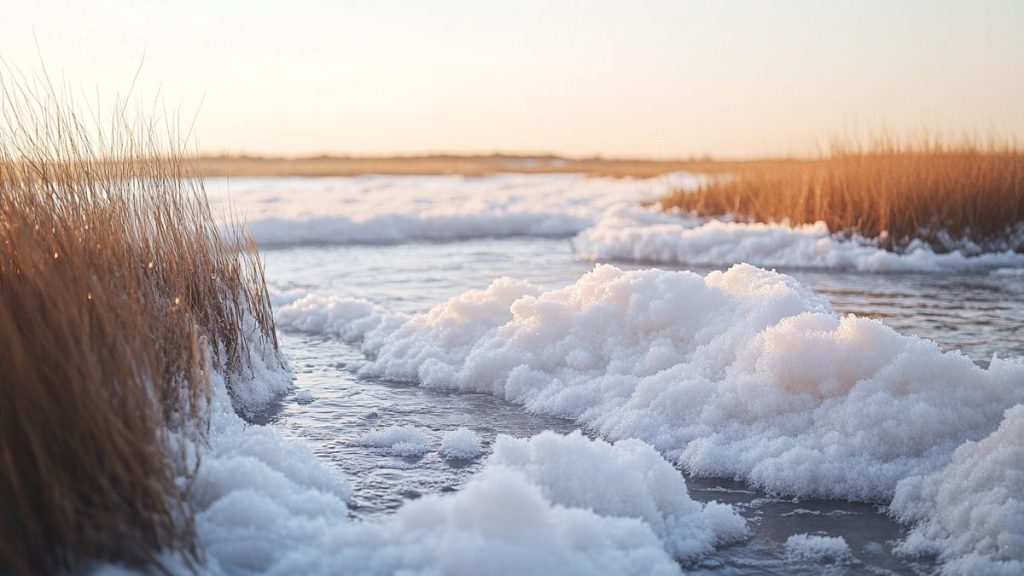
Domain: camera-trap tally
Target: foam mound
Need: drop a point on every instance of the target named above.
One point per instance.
(266, 505)
(742, 373)
(628, 479)
(971, 513)
(392, 209)
(497, 524)
(810, 547)
(633, 234)
(461, 444)
(257, 494)
(398, 440)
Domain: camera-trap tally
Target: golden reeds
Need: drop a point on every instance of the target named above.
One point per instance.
(119, 294)
(966, 196)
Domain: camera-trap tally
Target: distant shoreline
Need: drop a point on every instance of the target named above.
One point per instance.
(212, 166)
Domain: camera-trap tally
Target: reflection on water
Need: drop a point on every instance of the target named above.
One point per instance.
(979, 315)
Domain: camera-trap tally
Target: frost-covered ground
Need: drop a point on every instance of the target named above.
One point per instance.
(743, 374)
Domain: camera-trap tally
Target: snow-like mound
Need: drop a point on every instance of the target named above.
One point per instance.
(742, 373)
(972, 512)
(257, 495)
(389, 209)
(342, 318)
(460, 444)
(268, 506)
(628, 479)
(498, 523)
(634, 234)
(817, 548)
(398, 440)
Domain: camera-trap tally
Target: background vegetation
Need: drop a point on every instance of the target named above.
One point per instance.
(963, 196)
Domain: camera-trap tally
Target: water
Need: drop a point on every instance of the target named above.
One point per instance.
(977, 314)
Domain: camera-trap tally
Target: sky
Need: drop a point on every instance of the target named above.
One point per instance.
(631, 78)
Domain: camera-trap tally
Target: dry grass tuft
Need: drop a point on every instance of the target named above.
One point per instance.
(967, 195)
(119, 294)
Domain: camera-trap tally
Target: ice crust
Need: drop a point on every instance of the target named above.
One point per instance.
(634, 234)
(393, 209)
(742, 373)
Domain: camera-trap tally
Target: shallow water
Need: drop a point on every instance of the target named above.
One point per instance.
(978, 314)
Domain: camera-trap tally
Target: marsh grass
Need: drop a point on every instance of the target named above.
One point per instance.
(968, 196)
(119, 297)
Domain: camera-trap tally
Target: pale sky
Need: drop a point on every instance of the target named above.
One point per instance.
(628, 78)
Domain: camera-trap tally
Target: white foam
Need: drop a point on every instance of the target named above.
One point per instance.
(497, 524)
(971, 513)
(389, 209)
(460, 444)
(257, 495)
(818, 548)
(628, 479)
(268, 506)
(635, 234)
(398, 440)
(1008, 272)
(266, 378)
(743, 373)
(343, 318)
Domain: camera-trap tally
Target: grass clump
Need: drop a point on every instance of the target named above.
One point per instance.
(967, 196)
(120, 296)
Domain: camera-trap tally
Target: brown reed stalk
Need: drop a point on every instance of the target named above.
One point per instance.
(119, 296)
(947, 196)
